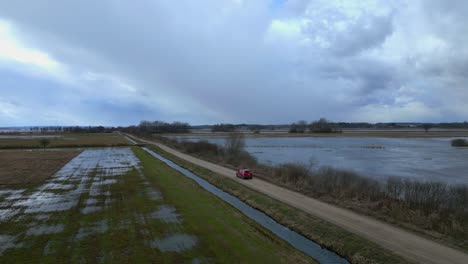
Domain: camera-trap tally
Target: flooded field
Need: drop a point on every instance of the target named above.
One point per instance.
(75, 206)
(424, 159)
(117, 205)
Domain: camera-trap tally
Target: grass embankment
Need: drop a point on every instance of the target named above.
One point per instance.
(433, 209)
(353, 247)
(63, 140)
(227, 235)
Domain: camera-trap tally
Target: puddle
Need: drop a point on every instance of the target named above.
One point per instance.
(54, 205)
(154, 195)
(146, 183)
(166, 214)
(14, 196)
(301, 243)
(45, 229)
(6, 214)
(105, 182)
(59, 186)
(90, 209)
(48, 249)
(108, 202)
(8, 242)
(175, 243)
(42, 217)
(200, 261)
(91, 201)
(97, 228)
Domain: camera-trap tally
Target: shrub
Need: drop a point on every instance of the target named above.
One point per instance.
(44, 142)
(323, 126)
(459, 142)
(202, 146)
(234, 144)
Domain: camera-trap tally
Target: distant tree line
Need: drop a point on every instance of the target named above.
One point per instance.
(72, 129)
(320, 126)
(89, 129)
(158, 127)
(425, 126)
(223, 128)
(38, 129)
(325, 126)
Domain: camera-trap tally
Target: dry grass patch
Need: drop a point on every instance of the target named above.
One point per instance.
(32, 167)
(59, 140)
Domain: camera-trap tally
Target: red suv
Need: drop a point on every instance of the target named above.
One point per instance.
(244, 174)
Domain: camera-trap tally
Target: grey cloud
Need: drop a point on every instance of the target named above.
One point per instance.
(209, 62)
(364, 35)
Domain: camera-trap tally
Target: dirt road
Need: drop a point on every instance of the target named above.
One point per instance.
(404, 243)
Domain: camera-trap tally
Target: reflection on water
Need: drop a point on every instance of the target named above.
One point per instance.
(428, 159)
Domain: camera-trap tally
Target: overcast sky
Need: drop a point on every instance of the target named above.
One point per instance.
(114, 62)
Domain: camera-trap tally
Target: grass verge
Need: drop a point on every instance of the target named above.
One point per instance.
(226, 235)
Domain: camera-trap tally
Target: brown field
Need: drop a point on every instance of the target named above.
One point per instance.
(64, 140)
(31, 167)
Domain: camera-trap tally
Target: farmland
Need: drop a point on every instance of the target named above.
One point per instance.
(121, 205)
(31, 167)
(71, 140)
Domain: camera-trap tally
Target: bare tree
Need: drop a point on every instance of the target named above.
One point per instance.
(323, 126)
(234, 144)
(299, 127)
(44, 142)
(426, 127)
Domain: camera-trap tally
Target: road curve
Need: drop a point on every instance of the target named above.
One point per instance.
(410, 246)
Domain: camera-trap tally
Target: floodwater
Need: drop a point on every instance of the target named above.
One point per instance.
(422, 159)
(301, 243)
(175, 243)
(167, 214)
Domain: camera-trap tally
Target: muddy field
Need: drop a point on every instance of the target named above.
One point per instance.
(63, 140)
(31, 167)
(110, 205)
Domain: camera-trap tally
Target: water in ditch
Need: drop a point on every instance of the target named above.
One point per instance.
(298, 241)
